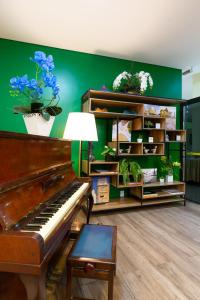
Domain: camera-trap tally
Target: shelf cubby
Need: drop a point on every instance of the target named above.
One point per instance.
(127, 148)
(100, 168)
(173, 134)
(160, 148)
(154, 120)
(113, 109)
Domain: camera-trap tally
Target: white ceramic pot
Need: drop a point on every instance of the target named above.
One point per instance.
(162, 180)
(36, 124)
(139, 140)
(169, 178)
(150, 139)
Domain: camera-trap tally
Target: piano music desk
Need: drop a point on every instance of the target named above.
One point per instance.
(93, 256)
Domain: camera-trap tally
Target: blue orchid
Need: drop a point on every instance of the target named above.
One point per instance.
(45, 63)
(34, 89)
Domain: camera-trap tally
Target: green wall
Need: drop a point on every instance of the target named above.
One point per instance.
(76, 73)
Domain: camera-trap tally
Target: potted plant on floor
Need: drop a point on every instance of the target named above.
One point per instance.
(39, 96)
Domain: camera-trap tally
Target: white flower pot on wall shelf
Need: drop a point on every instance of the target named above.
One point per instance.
(36, 124)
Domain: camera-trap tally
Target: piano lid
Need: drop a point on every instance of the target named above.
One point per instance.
(33, 169)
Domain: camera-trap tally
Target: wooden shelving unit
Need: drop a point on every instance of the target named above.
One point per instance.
(118, 106)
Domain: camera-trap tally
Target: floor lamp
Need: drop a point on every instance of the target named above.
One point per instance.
(80, 127)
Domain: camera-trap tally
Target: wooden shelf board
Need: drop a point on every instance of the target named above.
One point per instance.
(159, 143)
(114, 115)
(126, 154)
(103, 162)
(163, 194)
(158, 184)
(103, 173)
(121, 142)
(122, 96)
(175, 141)
(121, 186)
(151, 154)
(175, 130)
(155, 202)
(156, 129)
(117, 204)
(154, 117)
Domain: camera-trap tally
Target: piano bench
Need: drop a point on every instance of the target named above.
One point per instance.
(93, 256)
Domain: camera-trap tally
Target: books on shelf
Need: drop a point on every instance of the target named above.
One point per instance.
(149, 194)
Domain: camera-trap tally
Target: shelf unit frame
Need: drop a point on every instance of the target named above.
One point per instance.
(94, 97)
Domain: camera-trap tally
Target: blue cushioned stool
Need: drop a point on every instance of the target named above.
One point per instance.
(93, 256)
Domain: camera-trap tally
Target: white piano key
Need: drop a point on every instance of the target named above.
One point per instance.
(61, 214)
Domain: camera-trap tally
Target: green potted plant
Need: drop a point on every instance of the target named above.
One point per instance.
(124, 170)
(166, 167)
(148, 124)
(135, 171)
(140, 138)
(109, 152)
(130, 168)
(39, 95)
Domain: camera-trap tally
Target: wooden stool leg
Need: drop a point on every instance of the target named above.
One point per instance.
(69, 283)
(110, 287)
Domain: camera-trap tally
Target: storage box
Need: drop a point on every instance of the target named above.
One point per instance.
(100, 189)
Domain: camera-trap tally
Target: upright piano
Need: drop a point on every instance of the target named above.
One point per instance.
(40, 196)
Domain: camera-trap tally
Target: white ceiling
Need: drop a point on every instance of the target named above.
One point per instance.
(163, 32)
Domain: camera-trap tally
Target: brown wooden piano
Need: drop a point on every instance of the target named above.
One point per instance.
(40, 196)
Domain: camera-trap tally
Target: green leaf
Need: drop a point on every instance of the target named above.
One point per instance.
(53, 110)
(22, 109)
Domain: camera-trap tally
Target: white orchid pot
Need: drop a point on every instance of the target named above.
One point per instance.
(36, 124)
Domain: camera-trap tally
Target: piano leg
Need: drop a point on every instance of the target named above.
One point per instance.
(90, 203)
(35, 286)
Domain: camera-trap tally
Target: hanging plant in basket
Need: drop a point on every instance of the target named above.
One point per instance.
(39, 95)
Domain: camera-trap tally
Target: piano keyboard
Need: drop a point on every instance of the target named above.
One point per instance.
(49, 218)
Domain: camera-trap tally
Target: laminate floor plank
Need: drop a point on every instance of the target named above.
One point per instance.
(158, 255)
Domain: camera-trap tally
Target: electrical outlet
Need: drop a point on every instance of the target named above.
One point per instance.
(121, 194)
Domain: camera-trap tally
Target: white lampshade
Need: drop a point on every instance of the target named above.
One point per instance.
(80, 127)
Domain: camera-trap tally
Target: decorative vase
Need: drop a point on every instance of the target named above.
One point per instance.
(36, 124)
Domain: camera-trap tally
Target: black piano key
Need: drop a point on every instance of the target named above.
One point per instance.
(33, 225)
(32, 228)
(46, 214)
(41, 218)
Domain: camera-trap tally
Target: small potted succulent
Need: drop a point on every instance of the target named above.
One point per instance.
(140, 138)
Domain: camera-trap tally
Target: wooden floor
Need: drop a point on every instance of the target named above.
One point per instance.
(158, 254)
